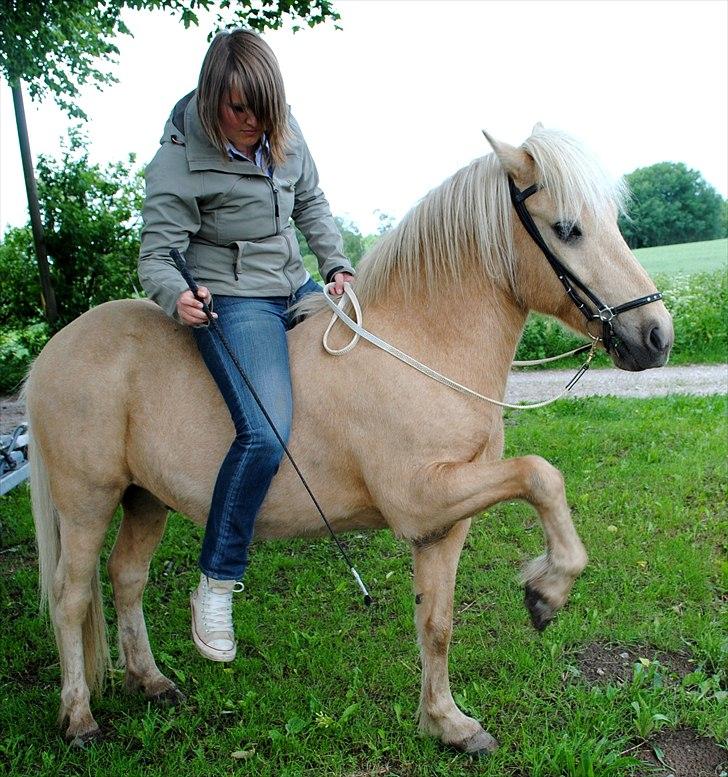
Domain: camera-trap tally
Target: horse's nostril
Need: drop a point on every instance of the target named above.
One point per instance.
(658, 339)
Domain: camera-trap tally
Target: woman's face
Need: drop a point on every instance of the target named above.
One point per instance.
(241, 128)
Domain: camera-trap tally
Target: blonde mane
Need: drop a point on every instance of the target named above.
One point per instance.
(465, 224)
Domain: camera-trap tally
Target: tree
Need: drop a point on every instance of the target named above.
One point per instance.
(21, 304)
(353, 240)
(671, 204)
(58, 47)
(91, 218)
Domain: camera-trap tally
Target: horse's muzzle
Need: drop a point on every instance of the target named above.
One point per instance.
(642, 347)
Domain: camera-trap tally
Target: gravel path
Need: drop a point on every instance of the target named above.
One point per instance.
(697, 379)
(537, 386)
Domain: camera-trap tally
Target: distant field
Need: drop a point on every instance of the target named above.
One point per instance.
(689, 258)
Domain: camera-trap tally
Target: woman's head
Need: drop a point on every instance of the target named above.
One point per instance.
(241, 93)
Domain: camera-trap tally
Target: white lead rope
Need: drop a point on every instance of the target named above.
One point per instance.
(359, 331)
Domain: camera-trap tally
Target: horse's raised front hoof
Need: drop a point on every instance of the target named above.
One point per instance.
(479, 743)
(169, 697)
(539, 609)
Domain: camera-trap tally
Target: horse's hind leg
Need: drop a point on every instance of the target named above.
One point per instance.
(139, 535)
(77, 609)
(435, 568)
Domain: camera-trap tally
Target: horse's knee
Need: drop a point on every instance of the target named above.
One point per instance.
(544, 482)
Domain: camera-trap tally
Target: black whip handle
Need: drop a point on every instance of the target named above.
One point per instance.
(187, 275)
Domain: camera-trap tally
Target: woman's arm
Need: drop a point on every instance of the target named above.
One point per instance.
(171, 216)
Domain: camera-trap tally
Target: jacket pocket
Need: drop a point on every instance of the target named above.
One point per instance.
(286, 198)
(258, 264)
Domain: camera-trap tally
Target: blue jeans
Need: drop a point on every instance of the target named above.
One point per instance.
(255, 328)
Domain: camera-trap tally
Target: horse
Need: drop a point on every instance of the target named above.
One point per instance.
(112, 395)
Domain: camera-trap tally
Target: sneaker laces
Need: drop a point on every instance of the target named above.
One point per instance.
(217, 608)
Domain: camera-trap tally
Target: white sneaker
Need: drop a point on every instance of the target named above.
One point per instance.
(212, 618)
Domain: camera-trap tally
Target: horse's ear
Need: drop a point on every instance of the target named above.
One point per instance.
(515, 161)
(537, 127)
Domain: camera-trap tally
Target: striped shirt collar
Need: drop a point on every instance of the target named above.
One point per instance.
(261, 156)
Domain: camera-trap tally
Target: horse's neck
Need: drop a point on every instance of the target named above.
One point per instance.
(469, 335)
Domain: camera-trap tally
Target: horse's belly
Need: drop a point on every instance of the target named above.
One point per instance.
(269, 526)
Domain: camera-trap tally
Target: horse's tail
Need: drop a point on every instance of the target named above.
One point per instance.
(48, 539)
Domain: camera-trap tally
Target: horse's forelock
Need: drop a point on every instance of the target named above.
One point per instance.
(573, 177)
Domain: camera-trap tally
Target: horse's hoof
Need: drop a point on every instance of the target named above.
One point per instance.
(82, 738)
(539, 609)
(170, 697)
(480, 743)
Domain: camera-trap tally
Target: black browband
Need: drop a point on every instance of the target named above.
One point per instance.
(603, 313)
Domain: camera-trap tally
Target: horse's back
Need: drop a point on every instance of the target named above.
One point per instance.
(87, 384)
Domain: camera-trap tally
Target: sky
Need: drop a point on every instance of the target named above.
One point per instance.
(395, 103)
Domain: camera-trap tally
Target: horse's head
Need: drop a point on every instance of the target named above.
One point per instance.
(594, 284)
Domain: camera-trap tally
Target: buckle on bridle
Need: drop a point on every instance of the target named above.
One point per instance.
(605, 314)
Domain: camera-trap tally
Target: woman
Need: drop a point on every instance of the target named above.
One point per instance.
(231, 172)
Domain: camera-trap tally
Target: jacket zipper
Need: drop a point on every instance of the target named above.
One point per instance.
(274, 192)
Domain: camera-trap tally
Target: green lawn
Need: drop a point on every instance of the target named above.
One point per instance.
(688, 258)
(323, 686)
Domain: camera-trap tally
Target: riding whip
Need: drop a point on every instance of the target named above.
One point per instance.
(185, 273)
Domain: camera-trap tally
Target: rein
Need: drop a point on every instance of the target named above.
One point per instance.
(359, 331)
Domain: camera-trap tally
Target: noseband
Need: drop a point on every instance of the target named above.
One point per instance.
(604, 313)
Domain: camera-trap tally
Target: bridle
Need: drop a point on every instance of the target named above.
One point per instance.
(604, 313)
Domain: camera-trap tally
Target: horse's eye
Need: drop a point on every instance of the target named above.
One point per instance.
(566, 231)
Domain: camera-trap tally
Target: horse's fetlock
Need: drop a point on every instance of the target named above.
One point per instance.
(579, 561)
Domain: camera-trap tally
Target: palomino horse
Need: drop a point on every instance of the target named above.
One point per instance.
(112, 396)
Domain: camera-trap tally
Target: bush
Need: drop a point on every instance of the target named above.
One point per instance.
(21, 303)
(91, 218)
(699, 307)
(18, 347)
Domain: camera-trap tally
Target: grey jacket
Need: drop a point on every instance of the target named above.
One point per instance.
(231, 220)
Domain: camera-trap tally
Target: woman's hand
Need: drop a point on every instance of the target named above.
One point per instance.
(339, 280)
(190, 310)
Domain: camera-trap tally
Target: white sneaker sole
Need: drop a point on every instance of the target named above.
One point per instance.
(206, 650)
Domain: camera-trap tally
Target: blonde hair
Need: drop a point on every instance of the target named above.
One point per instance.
(240, 60)
(465, 224)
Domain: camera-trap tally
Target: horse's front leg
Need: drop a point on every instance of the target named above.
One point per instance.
(435, 567)
(467, 489)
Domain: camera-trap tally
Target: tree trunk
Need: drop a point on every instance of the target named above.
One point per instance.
(49, 297)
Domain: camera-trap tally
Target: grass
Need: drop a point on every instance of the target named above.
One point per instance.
(685, 258)
(323, 686)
